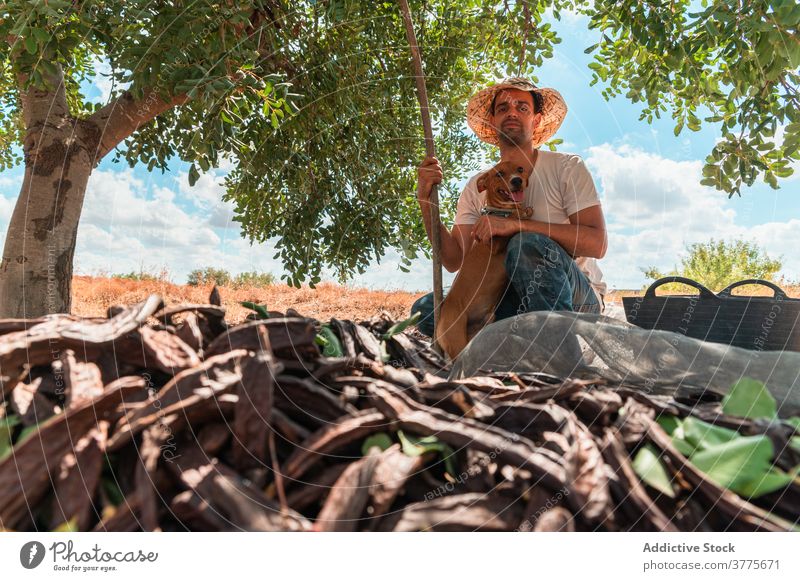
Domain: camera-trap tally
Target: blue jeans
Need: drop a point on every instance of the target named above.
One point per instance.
(543, 277)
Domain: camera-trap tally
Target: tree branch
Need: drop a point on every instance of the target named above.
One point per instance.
(121, 117)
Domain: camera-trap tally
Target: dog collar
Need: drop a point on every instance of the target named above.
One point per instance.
(491, 211)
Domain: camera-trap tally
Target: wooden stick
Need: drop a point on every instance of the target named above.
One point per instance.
(436, 235)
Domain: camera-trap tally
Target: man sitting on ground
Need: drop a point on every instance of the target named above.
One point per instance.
(550, 258)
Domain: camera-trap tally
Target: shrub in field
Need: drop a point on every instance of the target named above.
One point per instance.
(253, 278)
(718, 263)
(143, 275)
(135, 276)
(209, 275)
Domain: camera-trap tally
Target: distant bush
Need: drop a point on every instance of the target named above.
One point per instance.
(142, 275)
(717, 264)
(222, 277)
(209, 275)
(253, 278)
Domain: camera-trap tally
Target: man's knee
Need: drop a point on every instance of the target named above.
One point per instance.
(526, 248)
(424, 306)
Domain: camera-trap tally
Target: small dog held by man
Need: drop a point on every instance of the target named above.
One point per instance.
(479, 285)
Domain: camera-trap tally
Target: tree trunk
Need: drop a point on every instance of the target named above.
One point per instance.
(36, 269)
(60, 153)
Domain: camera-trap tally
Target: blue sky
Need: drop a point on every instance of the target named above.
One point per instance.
(648, 181)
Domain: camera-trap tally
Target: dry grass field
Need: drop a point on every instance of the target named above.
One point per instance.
(93, 295)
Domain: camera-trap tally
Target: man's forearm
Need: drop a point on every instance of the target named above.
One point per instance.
(451, 254)
(576, 239)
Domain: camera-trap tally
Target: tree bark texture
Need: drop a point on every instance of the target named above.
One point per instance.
(36, 268)
(60, 152)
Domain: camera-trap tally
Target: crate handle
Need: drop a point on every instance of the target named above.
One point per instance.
(704, 292)
(779, 293)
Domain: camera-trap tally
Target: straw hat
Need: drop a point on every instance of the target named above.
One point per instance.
(479, 114)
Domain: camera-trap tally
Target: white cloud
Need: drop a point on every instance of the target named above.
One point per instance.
(127, 225)
(780, 239)
(569, 18)
(206, 195)
(655, 207)
(8, 181)
(6, 209)
(117, 201)
(387, 275)
(643, 191)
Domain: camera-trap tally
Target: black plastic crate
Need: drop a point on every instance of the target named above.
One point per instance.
(753, 322)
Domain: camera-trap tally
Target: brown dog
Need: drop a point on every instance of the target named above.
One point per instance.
(482, 279)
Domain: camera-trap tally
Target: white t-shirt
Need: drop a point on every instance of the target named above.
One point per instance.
(560, 186)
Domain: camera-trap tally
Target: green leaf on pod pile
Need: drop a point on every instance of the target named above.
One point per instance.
(743, 465)
(402, 326)
(381, 440)
(331, 347)
(261, 310)
(649, 467)
(70, 526)
(739, 463)
(415, 446)
(7, 425)
(749, 398)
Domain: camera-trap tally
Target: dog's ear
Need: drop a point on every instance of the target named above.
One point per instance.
(482, 182)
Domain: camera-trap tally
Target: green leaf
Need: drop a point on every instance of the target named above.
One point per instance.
(6, 428)
(736, 464)
(674, 427)
(31, 45)
(703, 435)
(750, 399)
(71, 526)
(669, 423)
(414, 446)
(795, 441)
(683, 447)
(651, 470)
(402, 325)
(41, 35)
(112, 490)
(773, 480)
(553, 143)
(261, 310)
(384, 353)
(742, 464)
(333, 348)
(381, 440)
(193, 175)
